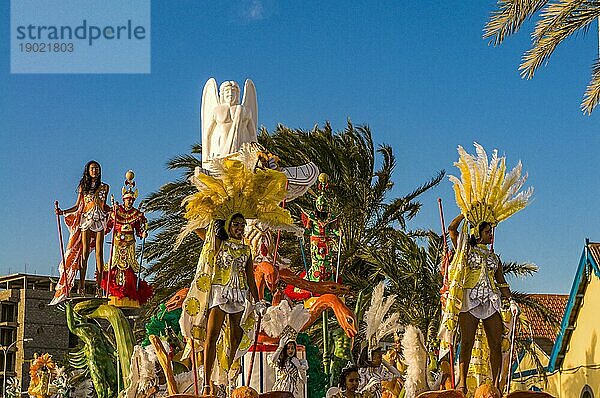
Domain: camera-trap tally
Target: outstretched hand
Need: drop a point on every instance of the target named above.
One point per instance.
(514, 308)
(260, 308)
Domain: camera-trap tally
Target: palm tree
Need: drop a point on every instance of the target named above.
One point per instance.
(558, 20)
(415, 279)
(172, 269)
(360, 193)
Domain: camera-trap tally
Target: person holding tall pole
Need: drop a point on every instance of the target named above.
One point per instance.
(86, 221)
(224, 287)
(485, 195)
(122, 279)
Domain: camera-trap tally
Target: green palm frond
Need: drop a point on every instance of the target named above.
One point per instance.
(592, 92)
(508, 18)
(519, 269)
(558, 21)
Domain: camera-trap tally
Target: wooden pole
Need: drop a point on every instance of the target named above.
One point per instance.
(444, 270)
(60, 240)
(112, 248)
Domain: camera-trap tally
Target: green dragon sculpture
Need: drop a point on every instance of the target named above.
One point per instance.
(97, 354)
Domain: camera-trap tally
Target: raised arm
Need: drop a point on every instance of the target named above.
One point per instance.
(453, 229)
(273, 358)
(395, 373)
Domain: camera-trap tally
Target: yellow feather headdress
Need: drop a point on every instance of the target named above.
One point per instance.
(256, 194)
(485, 192)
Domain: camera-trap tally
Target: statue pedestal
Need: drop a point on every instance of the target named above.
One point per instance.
(263, 374)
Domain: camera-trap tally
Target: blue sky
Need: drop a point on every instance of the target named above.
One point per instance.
(418, 73)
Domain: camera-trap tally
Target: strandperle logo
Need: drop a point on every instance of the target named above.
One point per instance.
(80, 36)
(85, 31)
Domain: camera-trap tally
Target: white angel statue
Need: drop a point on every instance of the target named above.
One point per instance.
(227, 124)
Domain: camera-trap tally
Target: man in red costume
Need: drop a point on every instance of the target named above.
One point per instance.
(123, 287)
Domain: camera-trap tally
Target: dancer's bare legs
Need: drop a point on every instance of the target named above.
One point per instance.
(86, 237)
(493, 330)
(468, 326)
(216, 316)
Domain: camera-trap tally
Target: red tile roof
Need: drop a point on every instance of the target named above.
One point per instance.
(543, 331)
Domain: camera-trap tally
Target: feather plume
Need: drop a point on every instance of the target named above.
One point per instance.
(377, 327)
(235, 188)
(415, 356)
(281, 317)
(485, 191)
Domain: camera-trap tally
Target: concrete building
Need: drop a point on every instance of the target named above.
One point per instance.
(25, 314)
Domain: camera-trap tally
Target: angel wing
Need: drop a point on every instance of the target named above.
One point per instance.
(210, 99)
(250, 102)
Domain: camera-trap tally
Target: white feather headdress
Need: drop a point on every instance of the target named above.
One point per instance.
(283, 320)
(378, 325)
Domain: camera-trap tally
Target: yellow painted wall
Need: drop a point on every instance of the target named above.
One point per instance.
(527, 364)
(583, 353)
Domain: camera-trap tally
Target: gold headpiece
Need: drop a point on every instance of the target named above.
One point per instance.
(485, 192)
(256, 194)
(127, 190)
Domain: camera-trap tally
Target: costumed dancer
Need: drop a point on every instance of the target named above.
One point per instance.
(348, 385)
(486, 195)
(375, 371)
(323, 227)
(224, 282)
(289, 369)
(86, 221)
(122, 285)
(284, 323)
(373, 368)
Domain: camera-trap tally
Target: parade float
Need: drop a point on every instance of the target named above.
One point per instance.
(240, 328)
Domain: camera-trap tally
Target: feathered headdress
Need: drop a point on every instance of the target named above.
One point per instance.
(236, 188)
(377, 326)
(282, 320)
(485, 192)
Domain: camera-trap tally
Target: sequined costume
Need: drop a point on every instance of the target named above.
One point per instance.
(484, 193)
(123, 280)
(371, 378)
(220, 281)
(94, 216)
(236, 187)
(323, 240)
(229, 288)
(481, 296)
(91, 214)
